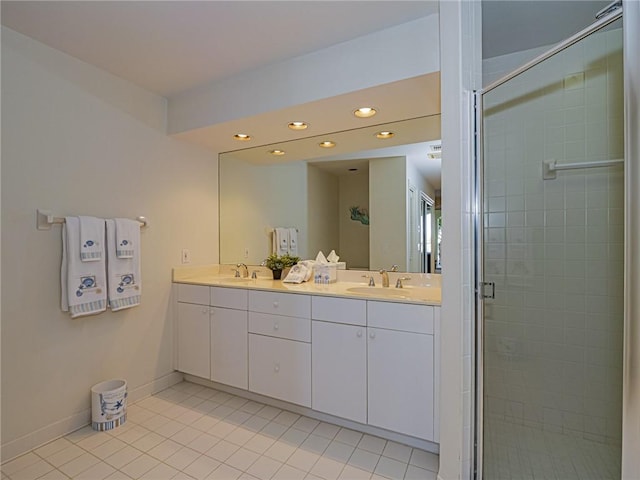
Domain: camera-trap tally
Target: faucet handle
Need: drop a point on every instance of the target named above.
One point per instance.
(372, 282)
(237, 274)
(254, 274)
(400, 280)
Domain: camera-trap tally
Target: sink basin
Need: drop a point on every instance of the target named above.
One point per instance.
(234, 280)
(425, 294)
(380, 292)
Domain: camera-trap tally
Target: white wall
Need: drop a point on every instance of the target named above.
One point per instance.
(76, 140)
(408, 50)
(631, 371)
(460, 69)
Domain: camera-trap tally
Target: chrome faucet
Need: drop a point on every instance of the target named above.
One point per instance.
(385, 278)
(245, 270)
(394, 267)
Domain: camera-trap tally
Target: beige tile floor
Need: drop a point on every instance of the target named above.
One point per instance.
(193, 432)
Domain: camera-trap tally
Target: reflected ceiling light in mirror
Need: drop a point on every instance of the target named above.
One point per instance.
(298, 125)
(242, 137)
(365, 112)
(277, 152)
(327, 144)
(384, 135)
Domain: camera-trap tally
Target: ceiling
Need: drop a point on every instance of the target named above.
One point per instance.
(515, 25)
(168, 47)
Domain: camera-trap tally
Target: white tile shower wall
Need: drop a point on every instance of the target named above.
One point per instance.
(555, 247)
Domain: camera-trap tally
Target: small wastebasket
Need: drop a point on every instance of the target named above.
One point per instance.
(108, 404)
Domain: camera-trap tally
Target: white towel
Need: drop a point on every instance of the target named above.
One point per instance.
(127, 237)
(281, 241)
(91, 239)
(125, 285)
(293, 242)
(83, 284)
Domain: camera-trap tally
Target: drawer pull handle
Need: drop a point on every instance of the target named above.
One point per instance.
(372, 335)
(359, 333)
(276, 326)
(275, 304)
(205, 310)
(276, 368)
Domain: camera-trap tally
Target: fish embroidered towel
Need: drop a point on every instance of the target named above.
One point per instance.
(293, 241)
(91, 239)
(127, 237)
(83, 284)
(281, 241)
(123, 274)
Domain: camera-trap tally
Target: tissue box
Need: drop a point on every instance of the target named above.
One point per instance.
(325, 273)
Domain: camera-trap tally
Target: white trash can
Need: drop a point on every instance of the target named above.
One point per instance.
(108, 404)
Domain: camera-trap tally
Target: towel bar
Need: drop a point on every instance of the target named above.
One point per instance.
(44, 220)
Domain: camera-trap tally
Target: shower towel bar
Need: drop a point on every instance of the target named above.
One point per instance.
(44, 220)
(550, 167)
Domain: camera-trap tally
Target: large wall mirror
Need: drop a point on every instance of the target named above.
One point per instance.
(375, 201)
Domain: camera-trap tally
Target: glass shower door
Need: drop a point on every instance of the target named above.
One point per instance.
(552, 246)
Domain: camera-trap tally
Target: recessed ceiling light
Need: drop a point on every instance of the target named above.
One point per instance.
(327, 144)
(276, 152)
(384, 135)
(298, 125)
(243, 137)
(365, 112)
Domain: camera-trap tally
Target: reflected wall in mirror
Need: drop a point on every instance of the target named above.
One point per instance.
(373, 206)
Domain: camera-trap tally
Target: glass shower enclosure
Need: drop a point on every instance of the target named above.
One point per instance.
(550, 239)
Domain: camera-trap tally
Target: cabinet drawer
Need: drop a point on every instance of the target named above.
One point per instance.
(229, 298)
(339, 310)
(193, 294)
(291, 328)
(288, 304)
(400, 316)
(280, 369)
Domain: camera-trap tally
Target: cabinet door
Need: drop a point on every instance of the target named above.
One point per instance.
(229, 361)
(193, 339)
(339, 370)
(280, 368)
(400, 374)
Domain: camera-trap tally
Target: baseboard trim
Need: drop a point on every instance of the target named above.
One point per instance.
(26, 443)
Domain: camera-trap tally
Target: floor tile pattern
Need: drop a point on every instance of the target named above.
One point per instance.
(192, 432)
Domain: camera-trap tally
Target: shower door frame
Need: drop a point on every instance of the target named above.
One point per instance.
(478, 227)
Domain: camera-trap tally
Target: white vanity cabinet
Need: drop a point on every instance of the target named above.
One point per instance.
(279, 346)
(194, 343)
(339, 357)
(229, 319)
(401, 368)
(373, 362)
(212, 333)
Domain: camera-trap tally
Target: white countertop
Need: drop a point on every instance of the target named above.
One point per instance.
(426, 293)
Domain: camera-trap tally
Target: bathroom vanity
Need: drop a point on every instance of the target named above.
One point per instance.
(363, 357)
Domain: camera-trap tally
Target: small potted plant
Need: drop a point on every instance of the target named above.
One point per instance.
(277, 263)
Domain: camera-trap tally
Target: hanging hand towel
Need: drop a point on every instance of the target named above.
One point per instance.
(91, 239)
(127, 235)
(83, 284)
(293, 242)
(281, 241)
(123, 274)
